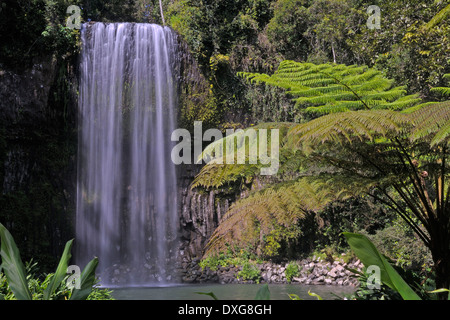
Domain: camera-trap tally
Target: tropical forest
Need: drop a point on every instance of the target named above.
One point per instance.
(224, 150)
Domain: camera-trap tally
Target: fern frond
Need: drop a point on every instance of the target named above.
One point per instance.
(432, 121)
(346, 126)
(445, 91)
(280, 205)
(438, 18)
(219, 171)
(329, 88)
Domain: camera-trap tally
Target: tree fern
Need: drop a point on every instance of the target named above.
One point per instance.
(433, 122)
(351, 125)
(329, 88)
(445, 91)
(266, 211)
(372, 139)
(438, 18)
(219, 171)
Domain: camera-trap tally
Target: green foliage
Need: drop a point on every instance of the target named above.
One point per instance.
(267, 217)
(110, 11)
(17, 279)
(237, 257)
(369, 256)
(40, 26)
(263, 293)
(356, 214)
(398, 242)
(398, 158)
(285, 30)
(13, 266)
(326, 88)
(250, 272)
(292, 270)
(293, 296)
(396, 283)
(60, 272)
(211, 294)
(444, 91)
(241, 148)
(418, 58)
(87, 281)
(37, 286)
(329, 24)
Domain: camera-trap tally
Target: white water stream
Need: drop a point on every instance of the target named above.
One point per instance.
(126, 193)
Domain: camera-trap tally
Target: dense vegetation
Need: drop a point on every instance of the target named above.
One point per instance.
(363, 116)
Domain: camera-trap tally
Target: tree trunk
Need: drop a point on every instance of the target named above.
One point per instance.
(162, 13)
(442, 270)
(440, 251)
(334, 53)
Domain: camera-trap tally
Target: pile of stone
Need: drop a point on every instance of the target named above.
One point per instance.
(312, 271)
(330, 273)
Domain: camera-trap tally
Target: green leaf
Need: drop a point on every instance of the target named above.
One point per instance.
(440, 291)
(263, 293)
(13, 267)
(312, 294)
(87, 281)
(60, 272)
(293, 296)
(211, 294)
(369, 255)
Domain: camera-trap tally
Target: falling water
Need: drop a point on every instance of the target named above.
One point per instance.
(126, 194)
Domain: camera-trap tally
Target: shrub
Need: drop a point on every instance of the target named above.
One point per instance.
(291, 271)
(398, 242)
(37, 286)
(250, 272)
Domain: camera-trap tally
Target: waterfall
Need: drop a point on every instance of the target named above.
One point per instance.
(126, 189)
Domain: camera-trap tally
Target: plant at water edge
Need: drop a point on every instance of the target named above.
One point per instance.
(250, 272)
(291, 271)
(17, 279)
(370, 256)
(293, 296)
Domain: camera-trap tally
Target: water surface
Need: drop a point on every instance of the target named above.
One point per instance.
(230, 292)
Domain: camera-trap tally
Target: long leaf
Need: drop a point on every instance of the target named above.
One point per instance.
(369, 255)
(211, 294)
(13, 266)
(263, 293)
(312, 294)
(60, 272)
(87, 281)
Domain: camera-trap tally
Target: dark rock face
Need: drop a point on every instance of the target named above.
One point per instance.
(24, 97)
(200, 214)
(38, 156)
